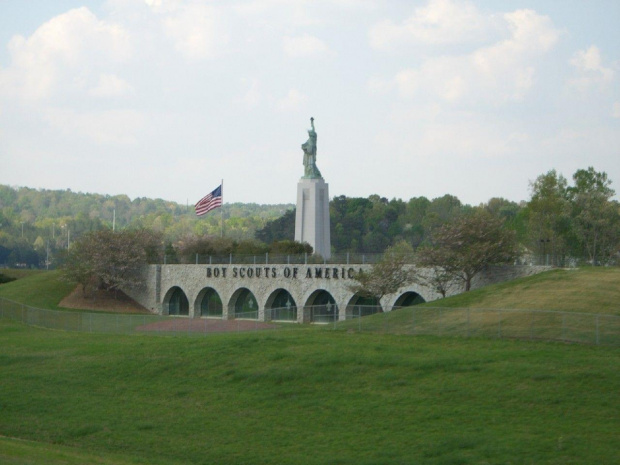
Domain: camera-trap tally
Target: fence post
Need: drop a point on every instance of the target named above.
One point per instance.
(196, 259)
(336, 316)
(499, 324)
(563, 326)
(468, 332)
(440, 320)
(597, 326)
(413, 320)
(266, 258)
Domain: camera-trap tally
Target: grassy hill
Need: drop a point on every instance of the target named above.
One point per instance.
(40, 289)
(303, 397)
(567, 305)
(314, 396)
(589, 290)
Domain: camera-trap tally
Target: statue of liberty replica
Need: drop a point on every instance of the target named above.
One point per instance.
(312, 215)
(309, 148)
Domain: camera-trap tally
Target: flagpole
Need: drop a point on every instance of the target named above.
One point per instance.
(222, 211)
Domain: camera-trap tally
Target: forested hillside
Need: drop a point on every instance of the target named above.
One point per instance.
(35, 220)
(559, 220)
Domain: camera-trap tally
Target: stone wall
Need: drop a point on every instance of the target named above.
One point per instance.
(303, 282)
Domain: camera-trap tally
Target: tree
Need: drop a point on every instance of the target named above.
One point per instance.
(282, 228)
(388, 275)
(288, 247)
(464, 247)
(549, 215)
(109, 260)
(593, 213)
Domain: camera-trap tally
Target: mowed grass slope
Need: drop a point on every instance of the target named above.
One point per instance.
(581, 305)
(40, 289)
(588, 290)
(306, 397)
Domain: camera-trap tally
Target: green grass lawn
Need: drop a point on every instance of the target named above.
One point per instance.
(589, 290)
(41, 289)
(310, 397)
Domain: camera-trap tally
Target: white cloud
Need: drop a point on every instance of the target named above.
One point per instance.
(439, 22)
(108, 127)
(615, 112)
(253, 96)
(197, 30)
(61, 52)
(110, 85)
(293, 100)
(305, 45)
(590, 69)
(500, 72)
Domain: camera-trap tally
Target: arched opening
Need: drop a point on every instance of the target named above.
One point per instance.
(282, 306)
(322, 307)
(244, 304)
(210, 303)
(360, 306)
(177, 303)
(408, 299)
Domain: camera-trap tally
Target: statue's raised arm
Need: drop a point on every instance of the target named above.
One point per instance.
(309, 148)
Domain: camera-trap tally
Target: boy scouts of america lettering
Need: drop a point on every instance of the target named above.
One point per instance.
(266, 272)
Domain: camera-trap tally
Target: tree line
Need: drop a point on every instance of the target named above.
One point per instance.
(560, 220)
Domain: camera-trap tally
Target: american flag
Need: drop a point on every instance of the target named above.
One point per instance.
(209, 201)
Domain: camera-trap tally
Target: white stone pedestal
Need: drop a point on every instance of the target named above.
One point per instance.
(312, 216)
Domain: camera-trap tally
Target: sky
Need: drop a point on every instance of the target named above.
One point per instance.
(165, 98)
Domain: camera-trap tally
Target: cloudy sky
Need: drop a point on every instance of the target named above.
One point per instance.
(164, 98)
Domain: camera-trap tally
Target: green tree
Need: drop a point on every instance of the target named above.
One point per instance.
(109, 260)
(388, 275)
(593, 213)
(549, 221)
(464, 247)
(288, 247)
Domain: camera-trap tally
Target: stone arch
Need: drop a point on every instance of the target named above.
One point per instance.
(176, 302)
(409, 298)
(360, 305)
(281, 306)
(321, 307)
(208, 304)
(243, 304)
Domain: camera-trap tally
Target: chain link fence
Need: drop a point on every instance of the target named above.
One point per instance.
(587, 328)
(351, 258)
